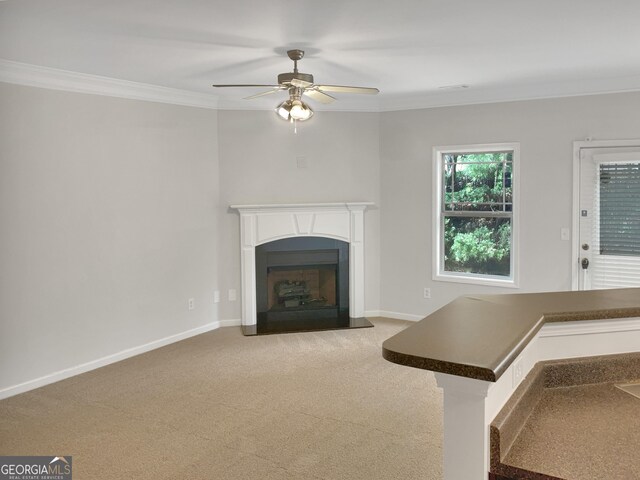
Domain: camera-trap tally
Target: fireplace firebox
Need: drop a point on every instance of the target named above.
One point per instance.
(302, 284)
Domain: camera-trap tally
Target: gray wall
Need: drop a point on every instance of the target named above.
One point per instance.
(258, 153)
(546, 130)
(108, 213)
(114, 212)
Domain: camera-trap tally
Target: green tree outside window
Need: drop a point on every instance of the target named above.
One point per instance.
(477, 205)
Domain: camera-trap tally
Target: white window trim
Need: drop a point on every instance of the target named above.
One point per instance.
(438, 239)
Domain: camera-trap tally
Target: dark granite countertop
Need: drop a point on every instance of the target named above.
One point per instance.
(479, 336)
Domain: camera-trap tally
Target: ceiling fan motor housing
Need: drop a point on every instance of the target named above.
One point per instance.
(285, 78)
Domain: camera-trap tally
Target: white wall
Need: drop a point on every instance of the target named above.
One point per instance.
(108, 225)
(545, 129)
(258, 153)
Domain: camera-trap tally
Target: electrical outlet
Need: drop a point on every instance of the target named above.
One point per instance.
(517, 372)
(232, 295)
(565, 234)
(216, 296)
(192, 304)
(427, 293)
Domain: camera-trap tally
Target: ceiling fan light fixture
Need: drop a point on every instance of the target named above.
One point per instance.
(294, 110)
(300, 110)
(298, 84)
(282, 110)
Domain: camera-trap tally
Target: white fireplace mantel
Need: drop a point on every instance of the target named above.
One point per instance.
(264, 223)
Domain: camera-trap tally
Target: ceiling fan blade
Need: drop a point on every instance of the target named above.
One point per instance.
(346, 89)
(319, 96)
(300, 83)
(246, 85)
(268, 92)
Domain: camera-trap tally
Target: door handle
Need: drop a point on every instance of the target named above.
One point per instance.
(585, 263)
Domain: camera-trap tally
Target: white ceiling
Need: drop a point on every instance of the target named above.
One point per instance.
(409, 49)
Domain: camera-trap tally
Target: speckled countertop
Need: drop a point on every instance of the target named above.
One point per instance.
(568, 420)
(479, 336)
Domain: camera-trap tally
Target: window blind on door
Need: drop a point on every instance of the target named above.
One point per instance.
(618, 226)
(620, 209)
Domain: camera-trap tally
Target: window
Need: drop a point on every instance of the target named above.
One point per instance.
(475, 214)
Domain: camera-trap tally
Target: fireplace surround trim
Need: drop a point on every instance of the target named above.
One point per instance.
(264, 223)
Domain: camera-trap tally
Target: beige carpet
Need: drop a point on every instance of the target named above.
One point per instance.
(220, 405)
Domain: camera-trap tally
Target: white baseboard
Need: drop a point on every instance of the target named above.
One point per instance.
(395, 315)
(109, 359)
(234, 322)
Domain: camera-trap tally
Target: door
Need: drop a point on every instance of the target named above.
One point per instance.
(609, 218)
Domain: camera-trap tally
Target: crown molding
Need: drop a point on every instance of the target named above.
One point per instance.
(55, 79)
(540, 91)
(65, 80)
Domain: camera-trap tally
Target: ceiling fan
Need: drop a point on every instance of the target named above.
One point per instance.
(298, 84)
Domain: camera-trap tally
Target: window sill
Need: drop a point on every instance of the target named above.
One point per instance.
(477, 280)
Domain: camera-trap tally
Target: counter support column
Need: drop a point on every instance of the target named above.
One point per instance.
(466, 432)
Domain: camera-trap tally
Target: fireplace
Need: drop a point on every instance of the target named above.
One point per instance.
(302, 267)
(302, 283)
